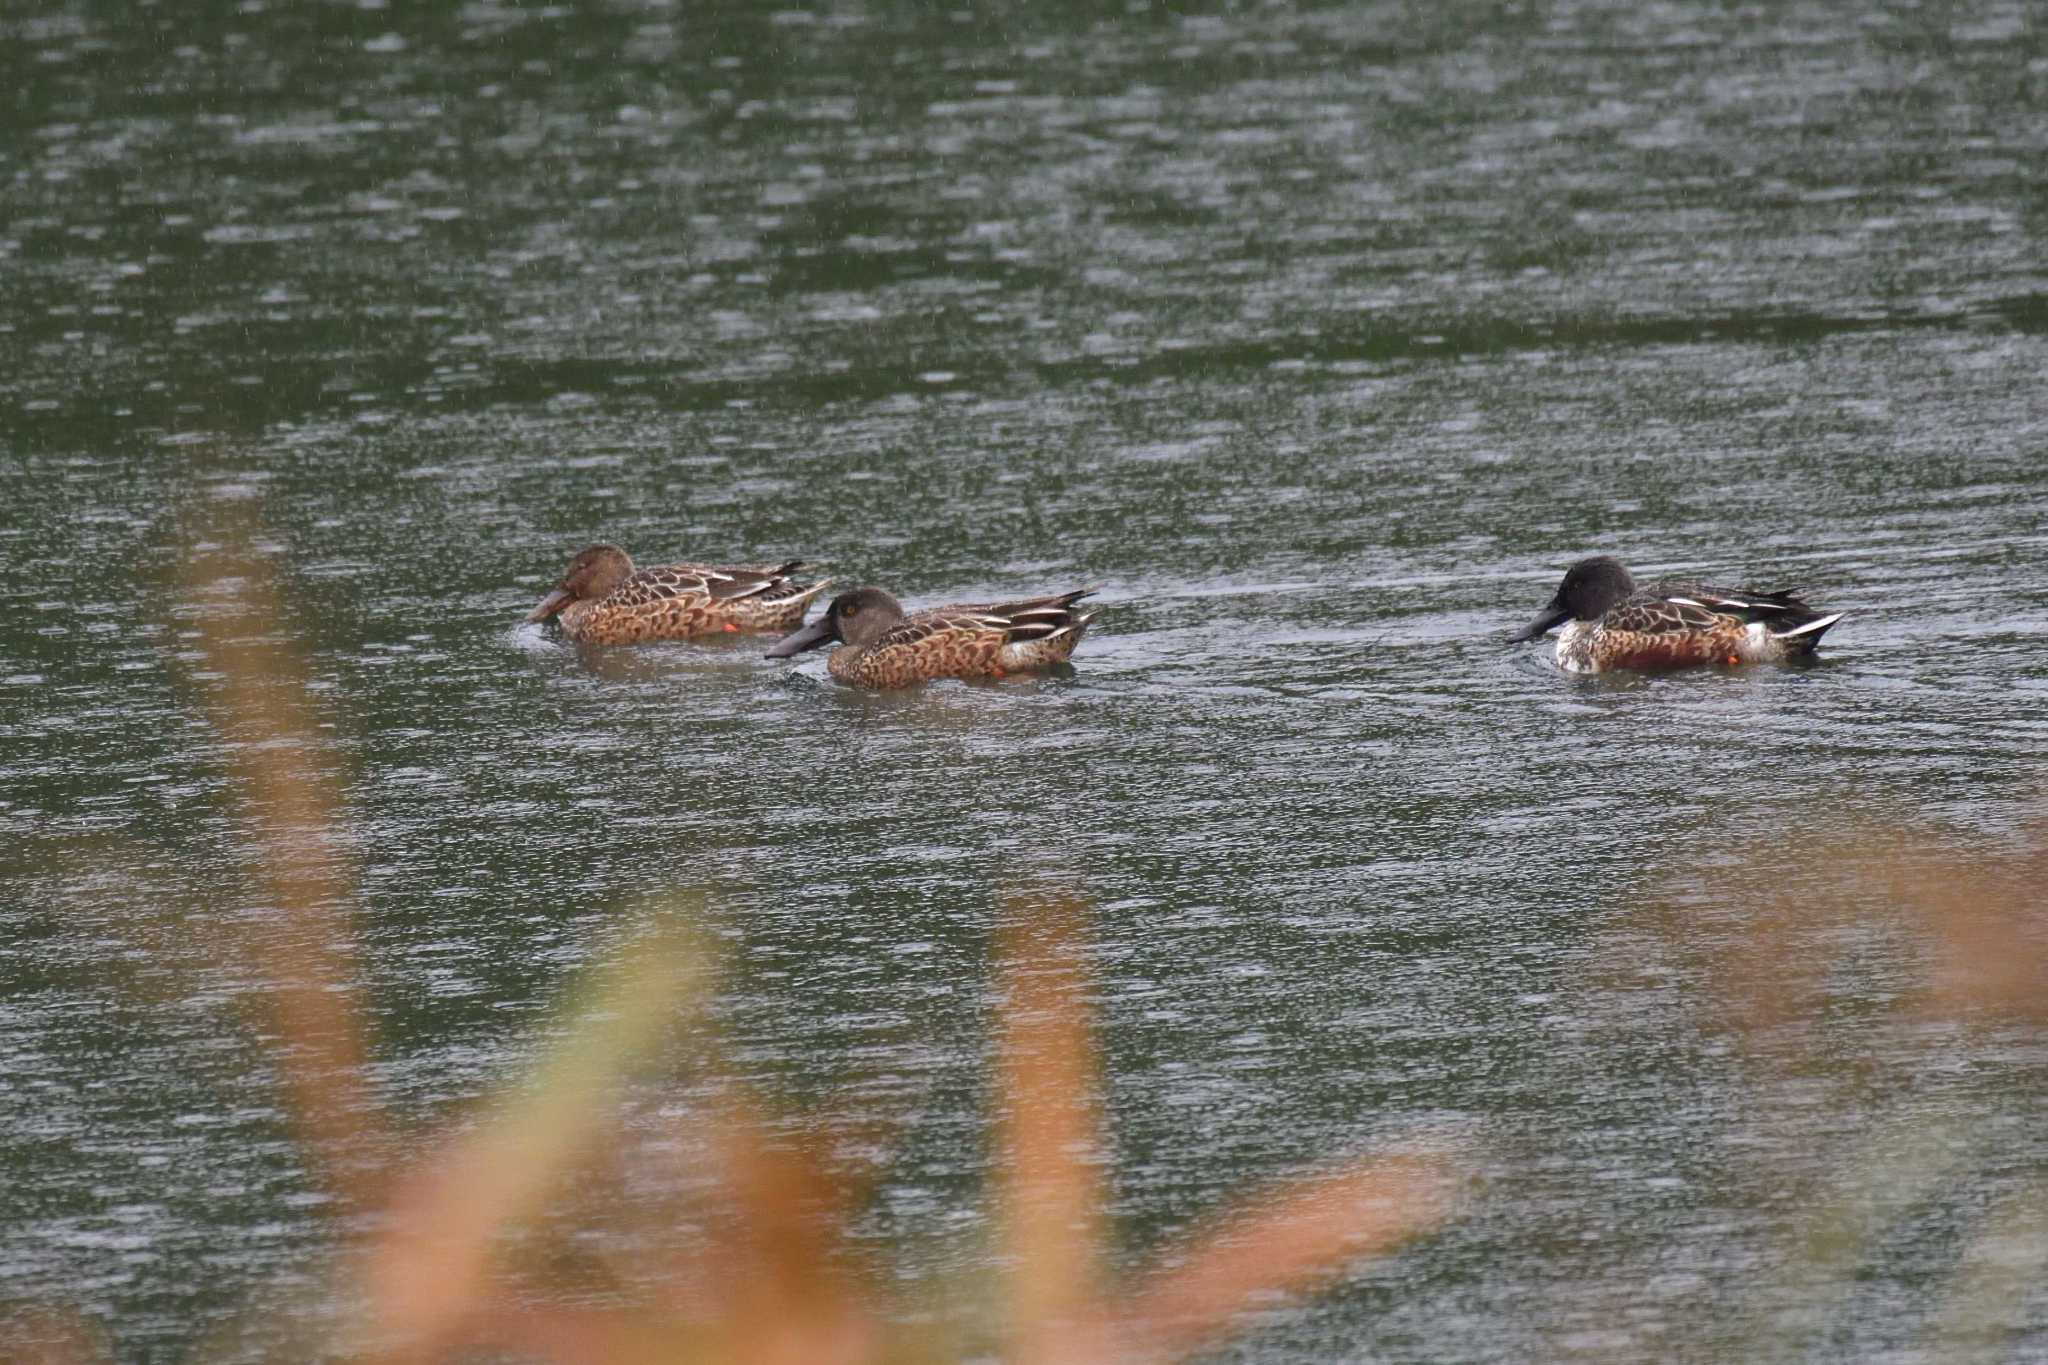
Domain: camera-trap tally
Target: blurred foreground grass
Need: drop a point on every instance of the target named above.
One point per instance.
(464, 1245)
(505, 1236)
(1776, 947)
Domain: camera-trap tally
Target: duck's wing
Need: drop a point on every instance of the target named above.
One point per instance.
(1672, 609)
(770, 582)
(1022, 622)
(1045, 618)
(1032, 619)
(716, 582)
(1772, 607)
(956, 621)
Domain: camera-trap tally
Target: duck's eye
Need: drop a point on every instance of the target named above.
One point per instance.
(848, 610)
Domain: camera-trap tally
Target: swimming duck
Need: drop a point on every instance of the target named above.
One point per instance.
(604, 600)
(1609, 623)
(883, 647)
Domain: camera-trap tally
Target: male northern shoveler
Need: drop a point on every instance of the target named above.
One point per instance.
(604, 600)
(1610, 623)
(885, 648)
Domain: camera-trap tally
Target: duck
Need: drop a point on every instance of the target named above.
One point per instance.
(1610, 623)
(883, 647)
(604, 600)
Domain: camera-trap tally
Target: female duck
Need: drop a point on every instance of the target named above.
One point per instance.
(885, 648)
(1609, 623)
(604, 600)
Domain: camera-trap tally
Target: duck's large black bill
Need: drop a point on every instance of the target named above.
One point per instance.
(817, 633)
(550, 604)
(1553, 615)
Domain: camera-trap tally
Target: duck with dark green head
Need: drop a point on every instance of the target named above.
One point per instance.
(1610, 623)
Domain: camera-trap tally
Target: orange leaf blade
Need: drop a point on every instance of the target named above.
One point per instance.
(1284, 1240)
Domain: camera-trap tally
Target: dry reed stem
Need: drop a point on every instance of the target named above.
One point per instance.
(259, 702)
(1766, 952)
(581, 1336)
(1972, 932)
(430, 1268)
(787, 1292)
(1282, 1241)
(1062, 1312)
(1049, 1138)
(1988, 921)
(46, 1335)
(2002, 1269)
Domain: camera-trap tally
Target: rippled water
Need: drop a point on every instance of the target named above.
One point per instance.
(1322, 339)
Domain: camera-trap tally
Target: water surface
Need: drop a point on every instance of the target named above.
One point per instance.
(1322, 339)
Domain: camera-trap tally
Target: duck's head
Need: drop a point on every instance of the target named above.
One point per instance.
(592, 573)
(855, 618)
(1590, 588)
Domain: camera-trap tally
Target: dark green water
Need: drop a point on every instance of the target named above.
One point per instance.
(1322, 339)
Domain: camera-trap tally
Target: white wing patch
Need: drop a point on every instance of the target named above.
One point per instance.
(786, 591)
(1040, 623)
(1811, 626)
